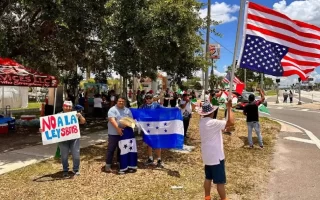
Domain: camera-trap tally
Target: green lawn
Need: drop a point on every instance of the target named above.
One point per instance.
(268, 93)
(31, 105)
(271, 93)
(34, 105)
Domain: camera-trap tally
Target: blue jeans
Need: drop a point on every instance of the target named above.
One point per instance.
(256, 127)
(65, 148)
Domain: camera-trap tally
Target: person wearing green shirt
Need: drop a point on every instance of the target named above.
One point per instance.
(214, 99)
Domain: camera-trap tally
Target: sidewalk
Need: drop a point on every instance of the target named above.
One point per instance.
(17, 159)
(295, 168)
(312, 106)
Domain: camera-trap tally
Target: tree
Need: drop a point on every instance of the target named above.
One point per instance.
(145, 36)
(52, 36)
(192, 83)
(198, 86)
(268, 82)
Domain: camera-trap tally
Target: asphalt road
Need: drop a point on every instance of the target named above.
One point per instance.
(296, 174)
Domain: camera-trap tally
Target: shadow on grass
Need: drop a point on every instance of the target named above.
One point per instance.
(53, 177)
(96, 153)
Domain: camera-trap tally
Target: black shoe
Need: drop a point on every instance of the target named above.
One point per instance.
(261, 146)
(160, 164)
(65, 174)
(149, 162)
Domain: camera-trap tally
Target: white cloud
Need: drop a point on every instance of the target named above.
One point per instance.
(216, 72)
(306, 11)
(221, 12)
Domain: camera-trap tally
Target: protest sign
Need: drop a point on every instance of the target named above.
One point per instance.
(59, 127)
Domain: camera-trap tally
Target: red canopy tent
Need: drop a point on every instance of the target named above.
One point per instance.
(15, 74)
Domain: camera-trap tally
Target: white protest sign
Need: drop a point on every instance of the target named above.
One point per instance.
(59, 127)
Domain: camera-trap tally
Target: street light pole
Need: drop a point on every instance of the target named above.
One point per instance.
(245, 78)
(207, 45)
(277, 87)
(277, 94)
(299, 103)
(261, 81)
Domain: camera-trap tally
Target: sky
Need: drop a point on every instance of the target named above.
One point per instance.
(227, 11)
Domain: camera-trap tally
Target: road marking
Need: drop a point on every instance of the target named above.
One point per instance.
(279, 108)
(304, 109)
(297, 109)
(309, 133)
(299, 140)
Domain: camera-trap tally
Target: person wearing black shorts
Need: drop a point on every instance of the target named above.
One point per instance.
(212, 148)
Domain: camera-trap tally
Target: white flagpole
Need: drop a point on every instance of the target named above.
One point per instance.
(236, 46)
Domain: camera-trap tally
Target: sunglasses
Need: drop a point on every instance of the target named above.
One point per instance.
(148, 98)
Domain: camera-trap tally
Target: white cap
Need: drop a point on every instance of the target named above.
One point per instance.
(67, 103)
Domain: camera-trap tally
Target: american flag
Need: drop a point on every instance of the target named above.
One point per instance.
(277, 45)
(227, 79)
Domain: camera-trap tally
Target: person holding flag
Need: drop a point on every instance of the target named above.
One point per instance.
(115, 130)
(150, 104)
(214, 99)
(212, 147)
(251, 110)
(186, 111)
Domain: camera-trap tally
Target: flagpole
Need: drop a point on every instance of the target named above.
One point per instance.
(236, 46)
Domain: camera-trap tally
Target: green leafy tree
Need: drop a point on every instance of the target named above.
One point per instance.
(268, 82)
(52, 36)
(197, 86)
(145, 36)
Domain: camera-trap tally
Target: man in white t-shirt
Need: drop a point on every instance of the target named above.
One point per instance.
(97, 106)
(212, 147)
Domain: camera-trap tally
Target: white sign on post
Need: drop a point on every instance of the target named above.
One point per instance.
(60, 127)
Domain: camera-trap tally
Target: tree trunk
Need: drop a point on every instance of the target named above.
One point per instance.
(88, 73)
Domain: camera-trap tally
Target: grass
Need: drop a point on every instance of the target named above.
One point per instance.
(247, 170)
(271, 93)
(31, 105)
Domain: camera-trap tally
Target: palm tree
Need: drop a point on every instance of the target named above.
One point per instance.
(220, 82)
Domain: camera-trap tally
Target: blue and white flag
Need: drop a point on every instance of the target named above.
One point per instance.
(162, 127)
(128, 150)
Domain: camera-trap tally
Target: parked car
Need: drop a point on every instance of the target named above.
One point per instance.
(244, 99)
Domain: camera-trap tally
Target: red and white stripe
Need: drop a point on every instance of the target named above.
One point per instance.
(235, 80)
(225, 80)
(302, 39)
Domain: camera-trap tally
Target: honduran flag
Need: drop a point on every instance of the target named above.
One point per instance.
(162, 127)
(128, 150)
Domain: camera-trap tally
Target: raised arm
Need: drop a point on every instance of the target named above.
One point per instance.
(230, 120)
(262, 95)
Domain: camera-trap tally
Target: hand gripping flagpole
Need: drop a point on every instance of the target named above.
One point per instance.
(236, 46)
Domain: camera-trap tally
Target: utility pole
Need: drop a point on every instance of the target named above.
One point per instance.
(245, 79)
(299, 103)
(212, 68)
(261, 81)
(277, 87)
(207, 45)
